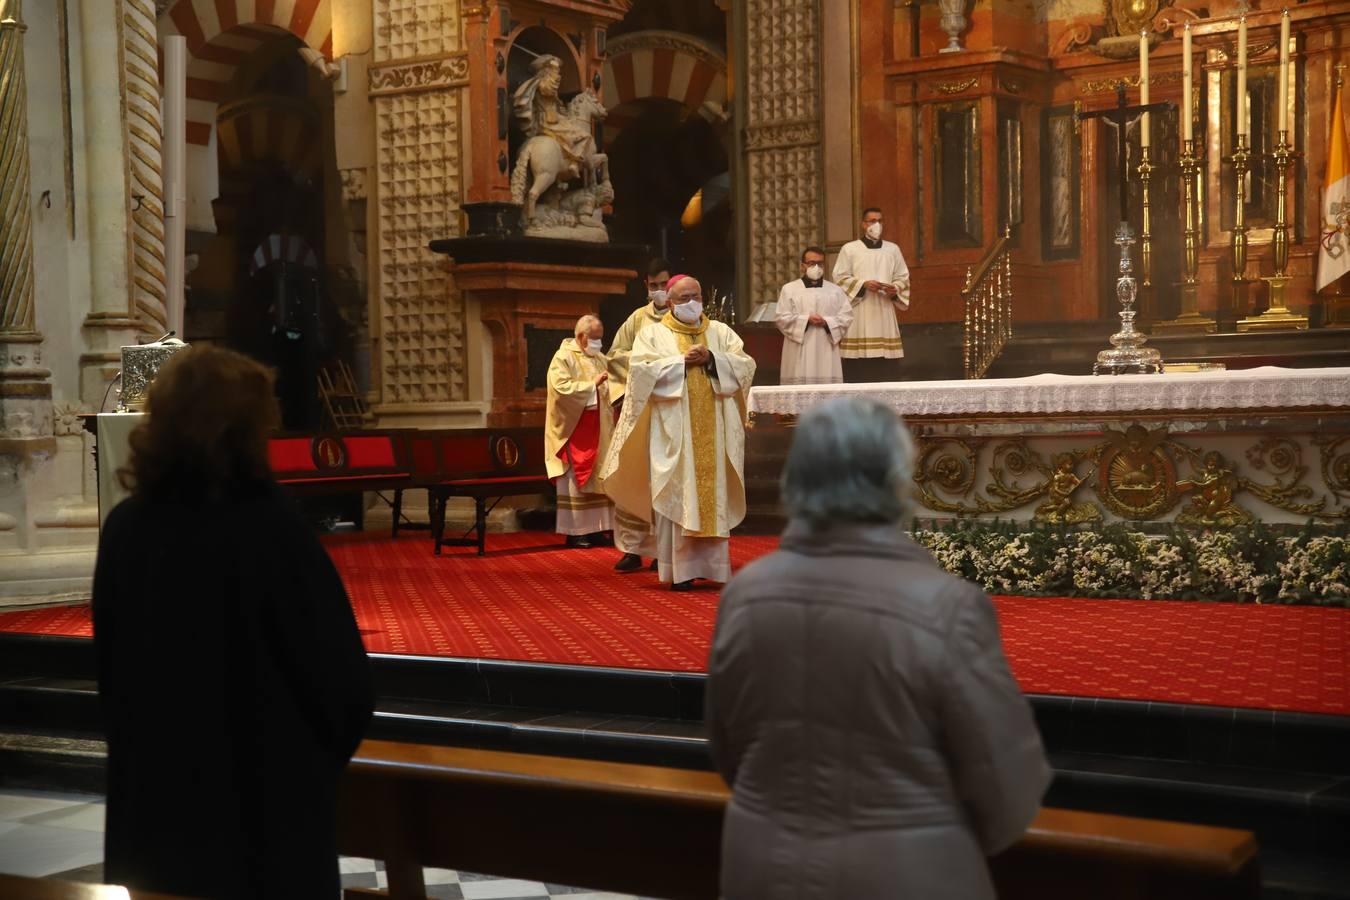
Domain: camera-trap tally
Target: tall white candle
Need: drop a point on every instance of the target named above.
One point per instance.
(1186, 110)
(1284, 72)
(1143, 86)
(1242, 76)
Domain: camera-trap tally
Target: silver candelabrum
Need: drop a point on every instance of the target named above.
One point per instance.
(1128, 355)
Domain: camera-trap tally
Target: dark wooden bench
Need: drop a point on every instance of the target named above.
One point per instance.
(480, 463)
(17, 887)
(657, 831)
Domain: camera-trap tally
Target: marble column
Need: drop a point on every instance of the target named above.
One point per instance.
(25, 387)
(111, 321)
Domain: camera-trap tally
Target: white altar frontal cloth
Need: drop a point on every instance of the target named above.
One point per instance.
(1266, 388)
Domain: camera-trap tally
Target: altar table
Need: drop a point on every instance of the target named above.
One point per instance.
(1210, 448)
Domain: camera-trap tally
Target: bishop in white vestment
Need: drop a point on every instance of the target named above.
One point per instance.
(874, 275)
(814, 315)
(677, 458)
(578, 424)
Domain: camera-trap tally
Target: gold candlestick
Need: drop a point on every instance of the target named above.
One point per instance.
(1145, 170)
(1278, 316)
(1239, 158)
(1189, 321)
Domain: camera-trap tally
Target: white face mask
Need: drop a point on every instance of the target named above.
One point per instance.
(814, 272)
(874, 231)
(593, 346)
(658, 298)
(689, 313)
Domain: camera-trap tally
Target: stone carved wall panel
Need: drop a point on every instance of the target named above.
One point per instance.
(782, 138)
(418, 186)
(416, 29)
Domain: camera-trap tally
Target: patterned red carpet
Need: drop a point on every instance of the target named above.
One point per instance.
(530, 599)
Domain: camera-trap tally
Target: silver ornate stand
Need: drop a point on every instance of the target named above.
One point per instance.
(1128, 355)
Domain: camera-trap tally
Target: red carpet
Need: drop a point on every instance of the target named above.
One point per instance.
(530, 599)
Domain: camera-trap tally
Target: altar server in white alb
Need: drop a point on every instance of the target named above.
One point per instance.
(814, 315)
(632, 535)
(578, 423)
(873, 273)
(678, 454)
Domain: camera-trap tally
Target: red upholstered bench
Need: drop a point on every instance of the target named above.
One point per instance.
(482, 463)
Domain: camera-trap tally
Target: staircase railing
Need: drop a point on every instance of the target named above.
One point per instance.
(988, 297)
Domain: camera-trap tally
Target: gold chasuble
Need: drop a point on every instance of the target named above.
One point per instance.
(702, 418)
(678, 450)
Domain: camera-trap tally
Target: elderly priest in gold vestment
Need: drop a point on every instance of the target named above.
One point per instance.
(632, 535)
(578, 423)
(678, 455)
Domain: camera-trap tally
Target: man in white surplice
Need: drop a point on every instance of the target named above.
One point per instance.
(813, 315)
(677, 458)
(874, 275)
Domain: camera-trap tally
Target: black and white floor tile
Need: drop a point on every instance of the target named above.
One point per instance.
(45, 834)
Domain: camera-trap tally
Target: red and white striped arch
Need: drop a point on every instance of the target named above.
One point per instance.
(220, 34)
(284, 248)
(662, 65)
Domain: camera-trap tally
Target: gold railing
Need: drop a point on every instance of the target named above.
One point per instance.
(988, 297)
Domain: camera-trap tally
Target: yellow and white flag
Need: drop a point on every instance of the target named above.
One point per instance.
(1334, 259)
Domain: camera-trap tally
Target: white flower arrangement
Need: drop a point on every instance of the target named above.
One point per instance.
(1246, 565)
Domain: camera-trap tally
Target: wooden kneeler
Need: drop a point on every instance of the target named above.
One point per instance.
(657, 831)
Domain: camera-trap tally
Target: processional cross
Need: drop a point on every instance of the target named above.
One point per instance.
(1127, 355)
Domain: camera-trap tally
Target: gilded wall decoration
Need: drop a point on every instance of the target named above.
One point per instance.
(1135, 476)
(782, 138)
(955, 87)
(398, 78)
(1108, 85)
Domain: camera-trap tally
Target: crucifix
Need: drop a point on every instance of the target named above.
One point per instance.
(1127, 355)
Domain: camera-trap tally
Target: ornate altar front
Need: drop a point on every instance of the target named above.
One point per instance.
(1206, 448)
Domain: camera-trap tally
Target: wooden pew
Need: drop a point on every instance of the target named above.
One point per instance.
(657, 831)
(17, 887)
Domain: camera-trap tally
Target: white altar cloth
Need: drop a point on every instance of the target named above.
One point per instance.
(1266, 388)
(114, 452)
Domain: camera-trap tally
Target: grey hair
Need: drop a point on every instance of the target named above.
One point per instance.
(851, 461)
(584, 324)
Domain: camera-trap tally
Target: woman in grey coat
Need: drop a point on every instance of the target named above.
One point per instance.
(859, 702)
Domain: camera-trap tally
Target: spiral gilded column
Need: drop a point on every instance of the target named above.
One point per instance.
(16, 223)
(145, 133)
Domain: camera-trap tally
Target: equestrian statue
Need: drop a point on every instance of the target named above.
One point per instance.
(559, 152)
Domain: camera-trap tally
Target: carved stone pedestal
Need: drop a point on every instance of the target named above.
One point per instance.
(530, 297)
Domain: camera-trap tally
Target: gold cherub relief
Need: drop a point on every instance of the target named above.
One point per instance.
(1058, 507)
(1212, 488)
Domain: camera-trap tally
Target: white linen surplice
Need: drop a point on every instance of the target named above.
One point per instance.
(811, 352)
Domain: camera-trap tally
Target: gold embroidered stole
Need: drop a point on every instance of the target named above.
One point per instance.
(702, 422)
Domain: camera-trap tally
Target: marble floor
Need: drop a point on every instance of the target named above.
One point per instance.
(44, 834)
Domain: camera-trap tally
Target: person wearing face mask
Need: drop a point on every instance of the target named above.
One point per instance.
(577, 436)
(814, 316)
(632, 535)
(677, 459)
(873, 273)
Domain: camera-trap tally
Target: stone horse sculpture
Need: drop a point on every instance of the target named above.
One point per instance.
(560, 150)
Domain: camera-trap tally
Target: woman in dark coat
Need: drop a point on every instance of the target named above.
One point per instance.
(858, 700)
(234, 684)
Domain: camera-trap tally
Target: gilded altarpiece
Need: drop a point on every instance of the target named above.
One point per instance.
(418, 84)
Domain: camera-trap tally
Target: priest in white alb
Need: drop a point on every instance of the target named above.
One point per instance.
(578, 424)
(873, 273)
(813, 315)
(677, 459)
(632, 535)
